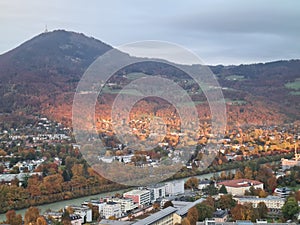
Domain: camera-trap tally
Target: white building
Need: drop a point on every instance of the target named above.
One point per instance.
(239, 186)
(125, 158)
(97, 204)
(127, 204)
(141, 197)
(75, 219)
(272, 202)
(106, 159)
(157, 191)
(203, 184)
(282, 192)
(112, 209)
(174, 187)
(84, 212)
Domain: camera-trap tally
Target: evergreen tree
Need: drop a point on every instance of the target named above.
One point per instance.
(223, 190)
(290, 208)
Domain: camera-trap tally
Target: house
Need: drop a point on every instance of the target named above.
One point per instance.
(107, 159)
(220, 216)
(239, 186)
(203, 184)
(125, 158)
(54, 215)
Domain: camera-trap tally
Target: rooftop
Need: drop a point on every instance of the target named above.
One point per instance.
(220, 213)
(114, 222)
(204, 182)
(270, 197)
(136, 192)
(282, 189)
(244, 222)
(240, 183)
(184, 210)
(156, 216)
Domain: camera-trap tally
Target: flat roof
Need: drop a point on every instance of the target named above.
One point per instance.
(136, 192)
(114, 222)
(240, 183)
(244, 222)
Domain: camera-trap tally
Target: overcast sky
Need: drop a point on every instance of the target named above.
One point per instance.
(218, 31)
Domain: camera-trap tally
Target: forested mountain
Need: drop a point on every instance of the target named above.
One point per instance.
(40, 77)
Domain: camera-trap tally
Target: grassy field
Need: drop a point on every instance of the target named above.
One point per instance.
(108, 90)
(295, 92)
(293, 85)
(133, 76)
(296, 188)
(235, 102)
(235, 77)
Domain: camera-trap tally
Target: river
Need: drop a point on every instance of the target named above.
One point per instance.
(77, 201)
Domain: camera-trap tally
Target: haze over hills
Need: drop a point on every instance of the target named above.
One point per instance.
(41, 75)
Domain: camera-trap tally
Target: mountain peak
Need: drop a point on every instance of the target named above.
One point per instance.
(60, 51)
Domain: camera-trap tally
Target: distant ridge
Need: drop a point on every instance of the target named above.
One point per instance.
(40, 77)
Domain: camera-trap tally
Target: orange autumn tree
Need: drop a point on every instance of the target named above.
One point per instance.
(31, 216)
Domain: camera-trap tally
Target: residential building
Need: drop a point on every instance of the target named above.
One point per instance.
(220, 216)
(272, 202)
(53, 215)
(141, 197)
(288, 163)
(203, 184)
(238, 222)
(174, 187)
(7, 178)
(282, 192)
(74, 218)
(112, 209)
(239, 186)
(125, 158)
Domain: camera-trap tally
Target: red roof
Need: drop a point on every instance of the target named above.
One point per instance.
(240, 183)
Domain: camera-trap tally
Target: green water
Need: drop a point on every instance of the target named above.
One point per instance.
(59, 205)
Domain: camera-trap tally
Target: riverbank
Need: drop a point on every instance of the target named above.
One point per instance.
(77, 201)
(209, 173)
